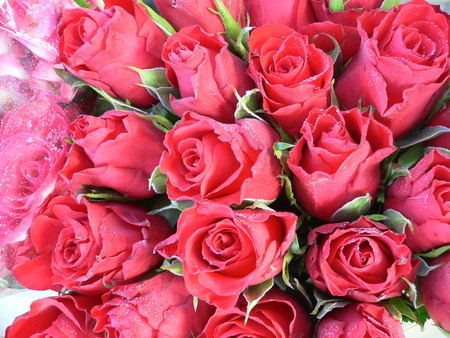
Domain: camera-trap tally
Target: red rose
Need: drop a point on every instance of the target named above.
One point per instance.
(32, 151)
(348, 17)
(58, 317)
(338, 149)
(440, 118)
(158, 307)
(360, 320)
(85, 246)
(362, 260)
(185, 13)
(99, 46)
(197, 149)
(292, 75)
(277, 314)
(434, 290)
(202, 67)
(118, 150)
(423, 197)
(224, 250)
(402, 65)
(292, 13)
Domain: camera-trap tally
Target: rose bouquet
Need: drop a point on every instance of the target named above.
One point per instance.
(225, 168)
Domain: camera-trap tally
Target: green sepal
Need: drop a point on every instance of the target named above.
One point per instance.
(388, 4)
(425, 268)
(158, 181)
(435, 252)
(353, 209)
(337, 5)
(247, 105)
(83, 4)
(254, 293)
(173, 265)
(162, 23)
(408, 312)
(326, 304)
(396, 221)
(423, 135)
(410, 157)
(336, 54)
(158, 120)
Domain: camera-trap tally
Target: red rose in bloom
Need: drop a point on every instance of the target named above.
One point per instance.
(224, 250)
(99, 46)
(440, 118)
(434, 290)
(223, 163)
(158, 307)
(83, 246)
(277, 314)
(58, 317)
(424, 199)
(401, 67)
(118, 150)
(292, 75)
(339, 149)
(360, 320)
(292, 13)
(362, 260)
(185, 13)
(32, 151)
(201, 66)
(348, 17)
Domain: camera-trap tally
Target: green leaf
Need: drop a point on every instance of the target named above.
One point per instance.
(377, 217)
(83, 4)
(158, 181)
(353, 209)
(434, 253)
(325, 304)
(442, 150)
(162, 23)
(388, 4)
(423, 135)
(159, 121)
(173, 265)
(247, 105)
(408, 312)
(396, 221)
(413, 155)
(336, 5)
(443, 331)
(254, 293)
(195, 300)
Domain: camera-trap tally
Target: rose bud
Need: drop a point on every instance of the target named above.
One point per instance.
(157, 307)
(348, 16)
(197, 149)
(99, 46)
(402, 66)
(339, 149)
(440, 118)
(362, 260)
(86, 246)
(277, 314)
(185, 13)
(118, 150)
(36, 132)
(434, 290)
(292, 75)
(292, 13)
(207, 74)
(423, 197)
(57, 317)
(223, 251)
(359, 320)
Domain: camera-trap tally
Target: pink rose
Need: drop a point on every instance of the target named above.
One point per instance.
(362, 260)
(292, 13)
(277, 314)
(223, 251)
(98, 46)
(434, 290)
(402, 65)
(119, 150)
(57, 317)
(197, 149)
(292, 75)
(359, 320)
(348, 17)
(157, 307)
(339, 149)
(202, 67)
(86, 246)
(185, 13)
(423, 197)
(440, 118)
(32, 151)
